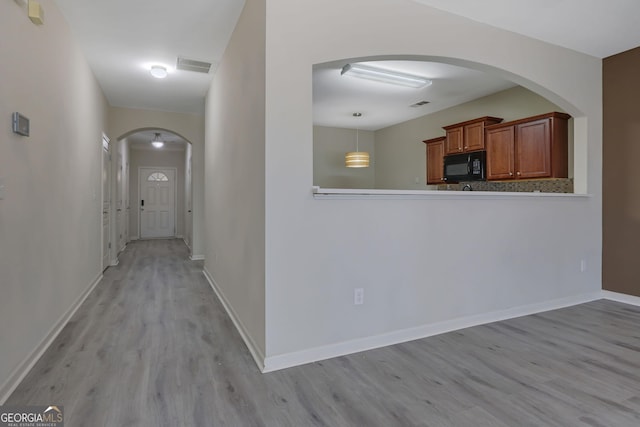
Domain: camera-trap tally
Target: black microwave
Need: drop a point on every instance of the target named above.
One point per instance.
(465, 167)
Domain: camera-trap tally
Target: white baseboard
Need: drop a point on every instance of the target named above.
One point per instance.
(624, 298)
(114, 262)
(255, 351)
(196, 257)
(287, 360)
(23, 369)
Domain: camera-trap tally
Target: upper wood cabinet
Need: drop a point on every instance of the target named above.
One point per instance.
(453, 141)
(435, 162)
(535, 147)
(467, 136)
(500, 146)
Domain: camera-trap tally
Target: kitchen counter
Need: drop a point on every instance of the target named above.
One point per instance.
(551, 185)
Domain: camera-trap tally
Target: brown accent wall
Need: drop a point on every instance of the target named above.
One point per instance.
(621, 173)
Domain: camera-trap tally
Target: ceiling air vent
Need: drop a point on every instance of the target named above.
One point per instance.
(419, 104)
(192, 65)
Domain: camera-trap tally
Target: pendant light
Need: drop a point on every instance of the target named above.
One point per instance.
(357, 159)
(157, 142)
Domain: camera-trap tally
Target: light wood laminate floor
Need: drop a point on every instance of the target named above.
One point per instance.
(152, 346)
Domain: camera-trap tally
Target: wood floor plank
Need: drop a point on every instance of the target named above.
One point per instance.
(152, 346)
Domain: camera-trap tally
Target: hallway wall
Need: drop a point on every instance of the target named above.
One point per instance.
(50, 214)
(235, 158)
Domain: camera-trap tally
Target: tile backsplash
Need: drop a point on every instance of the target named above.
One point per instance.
(550, 185)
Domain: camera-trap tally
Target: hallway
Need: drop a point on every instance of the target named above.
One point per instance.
(144, 347)
(152, 346)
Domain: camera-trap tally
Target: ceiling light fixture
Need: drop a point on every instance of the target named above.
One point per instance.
(385, 76)
(157, 142)
(158, 71)
(356, 159)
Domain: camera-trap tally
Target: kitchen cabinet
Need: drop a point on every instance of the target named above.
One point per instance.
(535, 147)
(468, 136)
(500, 146)
(435, 160)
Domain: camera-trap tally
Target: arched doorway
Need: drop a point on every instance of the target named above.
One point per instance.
(147, 206)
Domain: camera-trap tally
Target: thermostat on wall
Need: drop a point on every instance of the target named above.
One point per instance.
(20, 124)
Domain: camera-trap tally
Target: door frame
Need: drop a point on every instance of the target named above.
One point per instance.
(105, 208)
(175, 198)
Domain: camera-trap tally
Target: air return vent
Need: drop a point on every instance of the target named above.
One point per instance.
(419, 104)
(193, 65)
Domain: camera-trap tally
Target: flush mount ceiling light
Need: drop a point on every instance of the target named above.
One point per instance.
(385, 76)
(356, 159)
(157, 142)
(158, 71)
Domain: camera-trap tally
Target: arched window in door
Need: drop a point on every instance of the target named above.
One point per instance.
(157, 176)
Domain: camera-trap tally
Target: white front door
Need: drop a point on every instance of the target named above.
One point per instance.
(157, 202)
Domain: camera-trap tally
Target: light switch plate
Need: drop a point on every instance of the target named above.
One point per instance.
(20, 124)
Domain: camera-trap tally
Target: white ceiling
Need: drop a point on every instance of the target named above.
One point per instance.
(599, 28)
(337, 97)
(123, 38)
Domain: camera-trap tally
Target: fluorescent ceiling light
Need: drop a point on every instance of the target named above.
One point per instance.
(385, 76)
(158, 71)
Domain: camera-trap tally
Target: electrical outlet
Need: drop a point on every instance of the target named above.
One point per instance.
(358, 296)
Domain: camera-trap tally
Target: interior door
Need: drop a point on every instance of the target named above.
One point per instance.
(188, 196)
(127, 203)
(106, 204)
(120, 209)
(157, 202)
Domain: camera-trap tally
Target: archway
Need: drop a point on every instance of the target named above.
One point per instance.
(133, 153)
(578, 127)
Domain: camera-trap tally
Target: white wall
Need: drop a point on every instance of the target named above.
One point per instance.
(156, 158)
(50, 217)
(235, 177)
(426, 260)
(329, 147)
(401, 152)
(125, 121)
